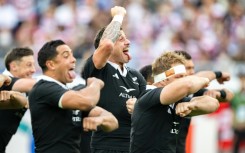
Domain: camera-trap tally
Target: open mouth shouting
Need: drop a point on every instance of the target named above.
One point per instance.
(72, 73)
(126, 52)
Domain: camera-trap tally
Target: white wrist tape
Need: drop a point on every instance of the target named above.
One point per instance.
(174, 70)
(118, 18)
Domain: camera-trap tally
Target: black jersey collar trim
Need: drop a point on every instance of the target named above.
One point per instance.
(47, 78)
(117, 67)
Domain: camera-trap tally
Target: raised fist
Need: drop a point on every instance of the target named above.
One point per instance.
(118, 10)
(95, 80)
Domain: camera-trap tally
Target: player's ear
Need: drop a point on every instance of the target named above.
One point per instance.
(13, 66)
(50, 64)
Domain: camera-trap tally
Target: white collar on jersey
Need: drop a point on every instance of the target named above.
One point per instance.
(47, 78)
(6, 72)
(149, 87)
(123, 73)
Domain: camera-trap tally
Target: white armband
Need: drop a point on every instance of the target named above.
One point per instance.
(118, 18)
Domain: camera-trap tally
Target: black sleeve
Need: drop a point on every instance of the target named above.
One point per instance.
(200, 92)
(186, 99)
(9, 87)
(183, 100)
(142, 81)
(79, 87)
(89, 69)
(85, 113)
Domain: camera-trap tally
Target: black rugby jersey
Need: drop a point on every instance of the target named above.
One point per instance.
(85, 135)
(117, 90)
(10, 120)
(54, 129)
(184, 126)
(155, 127)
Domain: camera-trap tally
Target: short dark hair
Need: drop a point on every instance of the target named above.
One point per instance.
(186, 55)
(98, 37)
(146, 72)
(48, 52)
(16, 54)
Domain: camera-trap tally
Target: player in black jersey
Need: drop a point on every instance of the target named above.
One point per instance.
(108, 63)
(16, 84)
(56, 110)
(10, 99)
(85, 135)
(19, 63)
(146, 71)
(223, 95)
(9, 122)
(156, 116)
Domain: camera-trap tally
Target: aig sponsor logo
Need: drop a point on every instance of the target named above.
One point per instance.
(126, 93)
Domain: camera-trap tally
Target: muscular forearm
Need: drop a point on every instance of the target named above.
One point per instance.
(91, 93)
(196, 83)
(106, 46)
(24, 85)
(99, 117)
(109, 123)
(184, 86)
(203, 105)
(208, 74)
(221, 77)
(16, 101)
(112, 31)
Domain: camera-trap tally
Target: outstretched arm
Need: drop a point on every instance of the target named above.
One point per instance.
(223, 95)
(99, 117)
(221, 77)
(12, 100)
(182, 87)
(197, 106)
(109, 37)
(84, 99)
(20, 84)
(24, 84)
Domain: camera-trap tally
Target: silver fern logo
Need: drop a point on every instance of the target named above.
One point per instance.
(127, 90)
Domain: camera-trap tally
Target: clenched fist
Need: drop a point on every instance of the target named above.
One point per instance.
(118, 10)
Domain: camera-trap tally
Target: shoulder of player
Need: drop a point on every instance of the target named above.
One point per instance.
(133, 72)
(45, 85)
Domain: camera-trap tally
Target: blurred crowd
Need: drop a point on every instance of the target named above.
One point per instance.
(212, 31)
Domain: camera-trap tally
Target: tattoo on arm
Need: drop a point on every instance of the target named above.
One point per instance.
(112, 31)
